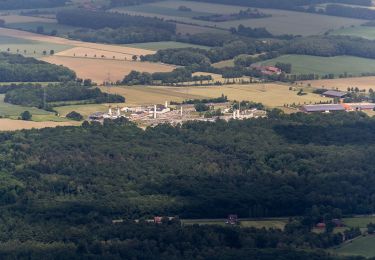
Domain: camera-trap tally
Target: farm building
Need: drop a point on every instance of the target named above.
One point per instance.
(267, 70)
(322, 108)
(334, 94)
(337, 107)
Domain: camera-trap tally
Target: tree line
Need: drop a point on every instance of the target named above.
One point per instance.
(34, 95)
(16, 68)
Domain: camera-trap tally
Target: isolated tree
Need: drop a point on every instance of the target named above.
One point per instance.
(44, 52)
(135, 57)
(40, 29)
(26, 115)
(52, 52)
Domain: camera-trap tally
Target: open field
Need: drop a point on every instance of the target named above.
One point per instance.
(48, 27)
(271, 95)
(12, 125)
(84, 110)
(154, 46)
(304, 64)
(194, 29)
(278, 223)
(343, 84)
(9, 19)
(223, 64)
(100, 69)
(363, 246)
(57, 40)
(281, 22)
(32, 48)
(7, 109)
(83, 52)
(137, 95)
(367, 32)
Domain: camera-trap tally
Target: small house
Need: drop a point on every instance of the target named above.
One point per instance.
(232, 220)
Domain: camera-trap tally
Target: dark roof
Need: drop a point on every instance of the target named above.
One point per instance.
(323, 108)
(334, 93)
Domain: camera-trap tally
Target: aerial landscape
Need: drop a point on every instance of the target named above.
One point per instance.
(187, 129)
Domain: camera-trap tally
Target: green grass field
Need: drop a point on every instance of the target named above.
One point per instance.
(303, 64)
(281, 22)
(223, 64)
(363, 246)
(262, 223)
(29, 46)
(154, 46)
(367, 32)
(62, 30)
(10, 110)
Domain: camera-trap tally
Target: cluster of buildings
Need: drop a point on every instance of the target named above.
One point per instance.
(339, 95)
(160, 114)
(267, 70)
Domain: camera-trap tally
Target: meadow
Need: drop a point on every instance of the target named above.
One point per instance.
(367, 32)
(154, 46)
(362, 246)
(278, 223)
(27, 47)
(304, 64)
(281, 21)
(7, 109)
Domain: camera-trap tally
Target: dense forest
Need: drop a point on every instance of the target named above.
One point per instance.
(114, 27)
(16, 68)
(35, 95)
(61, 188)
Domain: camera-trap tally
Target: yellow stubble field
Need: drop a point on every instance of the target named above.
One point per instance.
(343, 84)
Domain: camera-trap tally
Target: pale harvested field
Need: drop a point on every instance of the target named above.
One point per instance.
(152, 95)
(25, 19)
(12, 125)
(343, 84)
(57, 40)
(271, 95)
(93, 53)
(99, 69)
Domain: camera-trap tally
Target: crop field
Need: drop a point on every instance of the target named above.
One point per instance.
(139, 95)
(48, 27)
(100, 70)
(278, 223)
(154, 46)
(367, 32)
(28, 47)
(343, 83)
(84, 110)
(281, 22)
(271, 95)
(80, 56)
(11, 19)
(363, 246)
(12, 125)
(304, 64)
(223, 64)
